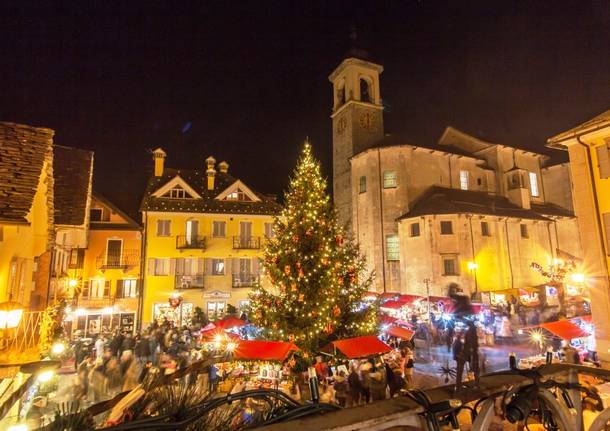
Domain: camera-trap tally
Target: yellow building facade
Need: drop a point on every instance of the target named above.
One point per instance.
(110, 281)
(203, 237)
(588, 146)
(26, 213)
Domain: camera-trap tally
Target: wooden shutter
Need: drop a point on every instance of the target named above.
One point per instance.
(106, 288)
(119, 289)
(151, 266)
(202, 266)
(172, 266)
(603, 160)
(80, 258)
(228, 266)
(180, 266)
(85, 293)
(607, 231)
(255, 265)
(235, 265)
(208, 266)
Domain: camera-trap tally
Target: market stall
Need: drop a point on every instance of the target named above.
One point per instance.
(399, 332)
(357, 347)
(230, 323)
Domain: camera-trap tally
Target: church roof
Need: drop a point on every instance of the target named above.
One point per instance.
(23, 151)
(442, 200)
(72, 170)
(207, 203)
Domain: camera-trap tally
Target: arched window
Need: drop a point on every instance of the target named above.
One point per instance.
(365, 91)
(341, 94)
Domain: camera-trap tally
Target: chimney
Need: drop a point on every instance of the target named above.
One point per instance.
(159, 159)
(223, 167)
(210, 162)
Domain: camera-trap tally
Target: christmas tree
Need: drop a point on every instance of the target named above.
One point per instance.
(316, 271)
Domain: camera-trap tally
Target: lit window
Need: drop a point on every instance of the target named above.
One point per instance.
(446, 227)
(464, 180)
(414, 229)
(163, 227)
(130, 288)
(216, 309)
(485, 228)
(392, 247)
(218, 266)
(176, 193)
(524, 232)
(534, 184)
(362, 184)
(389, 179)
(450, 266)
(95, 214)
(237, 195)
(219, 229)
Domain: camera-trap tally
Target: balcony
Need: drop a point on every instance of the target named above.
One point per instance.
(189, 282)
(95, 301)
(245, 280)
(128, 259)
(184, 242)
(246, 243)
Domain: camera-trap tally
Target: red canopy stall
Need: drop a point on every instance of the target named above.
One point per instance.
(565, 329)
(229, 322)
(358, 347)
(263, 350)
(399, 332)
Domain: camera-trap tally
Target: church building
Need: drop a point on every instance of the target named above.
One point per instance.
(462, 210)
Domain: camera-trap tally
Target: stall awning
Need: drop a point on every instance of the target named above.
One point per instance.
(230, 322)
(565, 329)
(397, 331)
(211, 334)
(385, 319)
(263, 350)
(358, 347)
(394, 305)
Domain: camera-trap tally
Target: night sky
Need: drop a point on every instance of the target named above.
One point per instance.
(246, 81)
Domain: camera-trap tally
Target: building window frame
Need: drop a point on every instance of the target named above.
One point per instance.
(130, 288)
(450, 265)
(485, 229)
(164, 228)
(414, 230)
(161, 266)
(269, 231)
(392, 244)
(219, 229)
(218, 266)
(464, 179)
(362, 184)
(524, 231)
(446, 227)
(533, 178)
(389, 179)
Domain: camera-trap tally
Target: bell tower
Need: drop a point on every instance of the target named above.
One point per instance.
(357, 118)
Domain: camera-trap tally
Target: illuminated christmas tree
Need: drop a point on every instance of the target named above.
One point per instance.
(317, 273)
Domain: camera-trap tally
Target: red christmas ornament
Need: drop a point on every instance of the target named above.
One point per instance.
(287, 269)
(329, 328)
(339, 239)
(301, 274)
(293, 286)
(336, 310)
(301, 297)
(295, 238)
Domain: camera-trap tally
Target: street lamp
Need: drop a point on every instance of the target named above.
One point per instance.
(472, 266)
(578, 277)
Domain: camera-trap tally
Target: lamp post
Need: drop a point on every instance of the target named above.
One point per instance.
(10, 315)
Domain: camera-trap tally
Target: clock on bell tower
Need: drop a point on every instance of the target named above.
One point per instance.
(357, 118)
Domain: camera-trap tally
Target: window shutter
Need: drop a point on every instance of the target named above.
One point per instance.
(151, 266)
(228, 265)
(180, 266)
(235, 265)
(119, 289)
(603, 160)
(81, 257)
(202, 267)
(107, 289)
(85, 292)
(607, 230)
(172, 266)
(255, 265)
(208, 266)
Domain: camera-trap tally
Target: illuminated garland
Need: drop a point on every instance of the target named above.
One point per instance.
(317, 273)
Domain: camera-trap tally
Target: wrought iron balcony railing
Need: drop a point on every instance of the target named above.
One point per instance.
(245, 280)
(190, 242)
(189, 282)
(128, 259)
(247, 242)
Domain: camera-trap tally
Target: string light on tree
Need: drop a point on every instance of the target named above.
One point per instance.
(316, 270)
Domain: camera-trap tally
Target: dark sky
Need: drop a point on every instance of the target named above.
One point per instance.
(246, 81)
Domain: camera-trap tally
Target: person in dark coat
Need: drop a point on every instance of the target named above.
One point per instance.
(142, 349)
(355, 386)
(128, 343)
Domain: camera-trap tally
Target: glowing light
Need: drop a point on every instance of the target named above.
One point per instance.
(578, 277)
(446, 317)
(18, 427)
(45, 376)
(557, 262)
(73, 282)
(231, 346)
(218, 338)
(472, 266)
(520, 331)
(80, 312)
(58, 348)
(10, 314)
